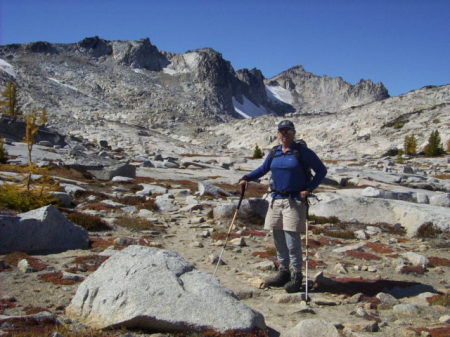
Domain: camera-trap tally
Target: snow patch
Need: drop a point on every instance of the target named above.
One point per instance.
(169, 71)
(278, 93)
(7, 68)
(248, 109)
(138, 71)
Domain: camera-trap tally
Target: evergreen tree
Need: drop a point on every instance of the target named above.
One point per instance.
(434, 147)
(33, 122)
(3, 153)
(9, 104)
(410, 145)
(257, 153)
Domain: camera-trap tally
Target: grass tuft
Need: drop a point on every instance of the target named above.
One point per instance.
(443, 300)
(88, 221)
(135, 223)
(428, 230)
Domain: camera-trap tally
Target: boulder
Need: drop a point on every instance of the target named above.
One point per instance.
(374, 210)
(109, 172)
(209, 189)
(64, 199)
(148, 189)
(417, 259)
(43, 230)
(441, 199)
(155, 289)
(250, 208)
(165, 203)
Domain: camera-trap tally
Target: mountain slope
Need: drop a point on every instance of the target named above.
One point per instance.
(135, 83)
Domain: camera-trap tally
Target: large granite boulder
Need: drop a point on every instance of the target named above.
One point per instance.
(149, 288)
(374, 210)
(43, 230)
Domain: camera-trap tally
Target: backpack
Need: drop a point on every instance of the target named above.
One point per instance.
(297, 146)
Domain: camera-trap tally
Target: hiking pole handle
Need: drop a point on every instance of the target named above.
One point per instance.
(243, 188)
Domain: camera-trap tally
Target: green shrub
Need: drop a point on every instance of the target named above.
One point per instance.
(434, 147)
(410, 145)
(88, 221)
(14, 196)
(3, 153)
(257, 153)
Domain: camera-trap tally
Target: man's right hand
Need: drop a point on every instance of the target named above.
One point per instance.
(243, 183)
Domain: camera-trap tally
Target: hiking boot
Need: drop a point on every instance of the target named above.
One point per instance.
(295, 284)
(280, 279)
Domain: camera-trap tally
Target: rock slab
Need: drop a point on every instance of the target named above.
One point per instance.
(43, 230)
(149, 288)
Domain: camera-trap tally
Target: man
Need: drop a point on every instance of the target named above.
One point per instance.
(289, 163)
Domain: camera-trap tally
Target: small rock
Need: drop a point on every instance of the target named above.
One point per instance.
(71, 276)
(205, 234)
(361, 235)
(368, 326)
(340, 268)
(197, 244)
(313, 328)
(355, 298)
(215, 258)
(25, 267)
(444, 319)
(372, 269)
(406, 309)
(288, 298)
(360, 312)
(265, 266)
(417, 259)
(387, 301)
(239, 242)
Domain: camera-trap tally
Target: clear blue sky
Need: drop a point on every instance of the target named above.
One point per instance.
(403, 43)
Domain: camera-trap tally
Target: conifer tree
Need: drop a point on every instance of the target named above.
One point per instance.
(410, 145)
(257, 153)
(434, 147)
(33, 121)
(9, 104)
(3, 153)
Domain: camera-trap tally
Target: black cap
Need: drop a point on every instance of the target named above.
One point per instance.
(286, 124)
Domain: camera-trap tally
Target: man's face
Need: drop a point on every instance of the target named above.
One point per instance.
(286, 135)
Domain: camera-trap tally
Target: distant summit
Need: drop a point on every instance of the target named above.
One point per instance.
(134, 82)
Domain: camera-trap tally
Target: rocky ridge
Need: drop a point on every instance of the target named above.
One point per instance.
(135, 83)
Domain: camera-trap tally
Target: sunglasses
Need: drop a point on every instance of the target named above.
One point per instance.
(286, 131)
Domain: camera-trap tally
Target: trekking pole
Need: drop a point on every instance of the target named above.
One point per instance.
(306, 244)
(243, 186)
(306, 250)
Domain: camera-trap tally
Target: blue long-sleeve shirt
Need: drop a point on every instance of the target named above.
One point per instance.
(288, 175)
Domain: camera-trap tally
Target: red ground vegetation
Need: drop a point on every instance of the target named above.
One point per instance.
(358, 254)
(378, 247)
(55, 278)
(443, 331)
(6, 303)
(13, 259)
(439, 261)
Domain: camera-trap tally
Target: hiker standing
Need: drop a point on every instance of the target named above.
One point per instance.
(290, 164)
